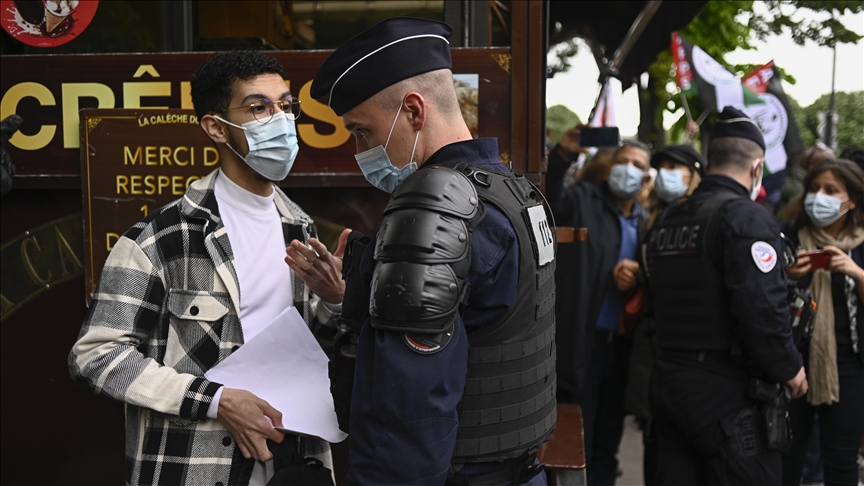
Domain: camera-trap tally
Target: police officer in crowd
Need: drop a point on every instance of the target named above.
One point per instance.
(455, 361)
(718, 293)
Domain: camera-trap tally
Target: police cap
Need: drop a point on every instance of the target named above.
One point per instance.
(683, 154)
(394, 49)
(734, 123)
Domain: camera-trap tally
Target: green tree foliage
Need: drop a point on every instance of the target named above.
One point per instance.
(559, 119)
(724, 26)
(850, 129)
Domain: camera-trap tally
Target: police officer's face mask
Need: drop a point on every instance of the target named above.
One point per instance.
(625, 180)
(272, 145)
(377, 168)
(670, 185)
(823, 209)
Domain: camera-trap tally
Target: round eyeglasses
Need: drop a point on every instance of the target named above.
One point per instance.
(264, 109)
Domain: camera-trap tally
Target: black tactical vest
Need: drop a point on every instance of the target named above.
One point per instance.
(422, 255)
(689, 300)
(509, 404)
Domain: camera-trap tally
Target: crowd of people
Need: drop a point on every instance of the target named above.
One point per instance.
(697, 249)
(445, 360)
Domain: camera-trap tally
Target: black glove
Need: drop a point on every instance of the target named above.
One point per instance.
(8, 127)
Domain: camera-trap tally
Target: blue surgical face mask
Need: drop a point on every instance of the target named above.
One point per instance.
(377, 168)
(823, 209)
(625, 180)
(272, 145)
(670, 185)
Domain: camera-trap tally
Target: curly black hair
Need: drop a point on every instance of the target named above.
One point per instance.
(213, 80)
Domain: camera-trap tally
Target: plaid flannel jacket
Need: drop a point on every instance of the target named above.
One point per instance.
(166, 311)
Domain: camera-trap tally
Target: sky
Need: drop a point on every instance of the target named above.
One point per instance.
(809, 64)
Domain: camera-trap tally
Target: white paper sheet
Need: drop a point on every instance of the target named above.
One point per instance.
(284, 365)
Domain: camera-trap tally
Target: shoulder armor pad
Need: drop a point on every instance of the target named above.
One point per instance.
(439, 189)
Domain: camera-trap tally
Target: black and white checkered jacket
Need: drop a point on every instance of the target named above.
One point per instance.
(166, 311)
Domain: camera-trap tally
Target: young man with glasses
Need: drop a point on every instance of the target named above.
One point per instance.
(168, 306)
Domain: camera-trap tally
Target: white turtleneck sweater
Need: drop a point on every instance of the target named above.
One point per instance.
(255, 232)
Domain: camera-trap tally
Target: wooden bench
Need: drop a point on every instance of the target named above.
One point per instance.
(564, 452)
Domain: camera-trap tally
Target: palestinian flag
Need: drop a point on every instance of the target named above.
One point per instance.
(700, 75)
(774, 116)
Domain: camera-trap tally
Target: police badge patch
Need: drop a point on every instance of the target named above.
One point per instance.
(427, 343)
(764, 255)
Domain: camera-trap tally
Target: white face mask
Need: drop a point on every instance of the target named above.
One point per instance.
(670, 185)
(272, 146)
(377, 168)
(625, 180)
(823, 209)
(757, 183)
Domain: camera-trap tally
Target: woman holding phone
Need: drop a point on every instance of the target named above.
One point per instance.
(830, 231)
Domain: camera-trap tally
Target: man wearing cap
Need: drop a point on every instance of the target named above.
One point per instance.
(717, 290)
(452, 296)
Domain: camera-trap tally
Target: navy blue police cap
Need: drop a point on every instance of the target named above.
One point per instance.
(683, 154)
(734, 123)
(392, 50)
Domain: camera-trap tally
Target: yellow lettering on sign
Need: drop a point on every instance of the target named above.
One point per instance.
(150, 155)
(184, 163)
(135, 185)
(144, 208)
(133, 92)
(109, 244)
(129, 158)
(9, 105)
(320, 112)
(71, 93)
(66, 253)
(122, 182)
(214, 156)
(28, 263)
(164, 155)
(186, 96)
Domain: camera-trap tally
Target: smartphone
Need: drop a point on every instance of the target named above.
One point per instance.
(599, 137)
(818, 258)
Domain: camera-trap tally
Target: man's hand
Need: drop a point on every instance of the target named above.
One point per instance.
(798, 385)
(625, 274)
(569, 143)
(319, 269)
(245, 416)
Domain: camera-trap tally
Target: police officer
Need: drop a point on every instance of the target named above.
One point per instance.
(719, 299)
(453, 295)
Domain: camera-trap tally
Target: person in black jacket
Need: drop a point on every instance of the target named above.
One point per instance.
(718, 297)
(592, 356)
(831, 217)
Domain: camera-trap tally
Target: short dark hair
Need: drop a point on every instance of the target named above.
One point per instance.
(733, 151)
(851, 176)
(632, 142)
(212, 81)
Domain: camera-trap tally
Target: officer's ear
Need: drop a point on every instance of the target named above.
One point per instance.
(418, 107)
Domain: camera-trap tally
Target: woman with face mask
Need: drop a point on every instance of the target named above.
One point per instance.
(679, 171)
(831, 218)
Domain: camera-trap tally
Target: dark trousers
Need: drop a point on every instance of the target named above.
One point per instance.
(602, 402)
(693, 412)
(841, 426)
